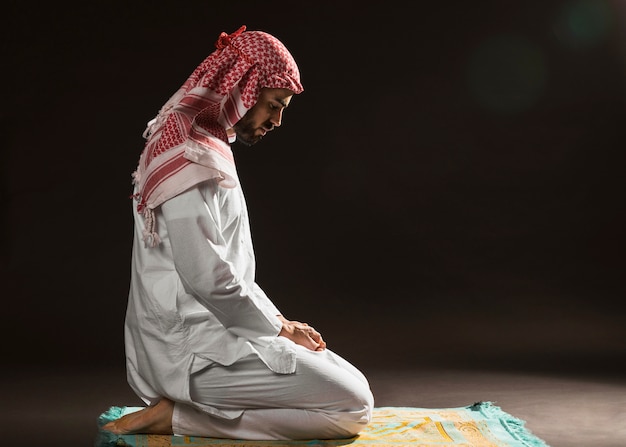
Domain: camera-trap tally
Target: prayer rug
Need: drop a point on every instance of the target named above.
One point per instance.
(482, 424)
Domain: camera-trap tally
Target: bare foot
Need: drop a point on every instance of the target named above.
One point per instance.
(156, 420)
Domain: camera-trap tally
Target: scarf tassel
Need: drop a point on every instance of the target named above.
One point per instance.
(150, 236)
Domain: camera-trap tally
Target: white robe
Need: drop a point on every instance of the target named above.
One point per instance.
(204, 307)
(194, 308)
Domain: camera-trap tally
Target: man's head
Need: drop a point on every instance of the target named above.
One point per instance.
(239, 92)
(245, 63)
(264, 116)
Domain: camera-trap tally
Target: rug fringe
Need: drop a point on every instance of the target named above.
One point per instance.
(111, 414)
(515, 426)
(106, 438)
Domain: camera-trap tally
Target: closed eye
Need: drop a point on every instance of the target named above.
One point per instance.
(277, 105)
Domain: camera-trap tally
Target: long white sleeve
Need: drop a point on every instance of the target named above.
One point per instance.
(207, 228)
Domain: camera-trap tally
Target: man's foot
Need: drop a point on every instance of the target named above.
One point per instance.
(155, 420)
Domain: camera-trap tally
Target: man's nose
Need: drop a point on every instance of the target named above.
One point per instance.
(277, 118)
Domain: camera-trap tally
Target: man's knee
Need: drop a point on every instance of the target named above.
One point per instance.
(357, 415)
(350, 423)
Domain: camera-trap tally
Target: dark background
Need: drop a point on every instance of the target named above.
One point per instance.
(449, 188)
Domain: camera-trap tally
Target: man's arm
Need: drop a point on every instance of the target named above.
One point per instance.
(200, 257)
(199, 252)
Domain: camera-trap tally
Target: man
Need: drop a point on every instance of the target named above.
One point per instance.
(206, 349)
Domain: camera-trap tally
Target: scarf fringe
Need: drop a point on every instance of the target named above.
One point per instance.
(150, 236)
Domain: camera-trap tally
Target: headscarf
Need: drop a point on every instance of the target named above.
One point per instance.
(188, 141)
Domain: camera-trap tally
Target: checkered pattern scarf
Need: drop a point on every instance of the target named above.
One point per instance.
(189, 140)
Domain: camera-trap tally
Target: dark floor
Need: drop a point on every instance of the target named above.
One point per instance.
(54, 408)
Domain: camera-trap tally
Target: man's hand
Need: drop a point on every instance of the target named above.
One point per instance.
(302, 334)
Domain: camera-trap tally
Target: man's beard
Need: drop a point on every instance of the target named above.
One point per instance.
(245, 133)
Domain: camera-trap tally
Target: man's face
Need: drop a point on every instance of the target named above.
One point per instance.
(266, 114)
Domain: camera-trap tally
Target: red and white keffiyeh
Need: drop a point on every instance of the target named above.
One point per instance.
(187, 142)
